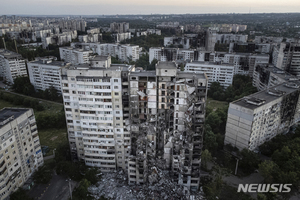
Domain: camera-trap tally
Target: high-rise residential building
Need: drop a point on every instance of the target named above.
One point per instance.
(266, 76)
(97, 112)
(45, 73)
(175, 54)
(215, 72)
(245, 63)
(167, 109)
(74, 55)
(119, 27)
(286, 56)
(20, 154)
(259, 117)
(12, 65)
(138, 121)
(210, 40)
(228, 38)
(124, 52)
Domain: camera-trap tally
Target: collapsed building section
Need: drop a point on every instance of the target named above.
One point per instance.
(167, 109)
(141, 122)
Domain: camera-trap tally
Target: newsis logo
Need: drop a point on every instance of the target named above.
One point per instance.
(264, 187)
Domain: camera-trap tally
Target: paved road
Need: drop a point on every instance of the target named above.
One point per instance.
(57, 189)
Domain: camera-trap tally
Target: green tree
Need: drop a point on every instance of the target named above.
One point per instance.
(268, 169)
(210, 139)
(205, 157)
(249, 162)
(81, 192)
(43, 174)
(20, 194)
(22, 85)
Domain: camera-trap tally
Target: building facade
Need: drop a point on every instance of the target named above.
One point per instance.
(259, 117)
(286, 56)
(124, 52)
(45, 73)
(138, 121)
(12, 65)
(215, 72)
(20, 154)
(266, 76)
(167, 109)
(74, 55)
(96, 114)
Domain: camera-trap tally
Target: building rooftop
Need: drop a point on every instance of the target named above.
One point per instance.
(51, 63)
(113, 67)
(166, 65)
(281, 73)
(258, 99)
(9, 54)
(9, 114)
(143, 73)
(181, 74)
(210, 63)
(99, 58)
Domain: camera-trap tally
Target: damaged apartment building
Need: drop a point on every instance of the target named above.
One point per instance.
(138, 121)
(167, 109)
(259, 117)
(266, 76)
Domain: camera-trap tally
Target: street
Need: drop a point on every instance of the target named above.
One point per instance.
(58, 188)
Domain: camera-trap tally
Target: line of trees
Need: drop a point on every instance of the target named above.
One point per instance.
(241, 86)
(284, 165)
(22, 85)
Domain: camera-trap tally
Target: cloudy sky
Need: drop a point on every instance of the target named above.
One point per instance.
(106, 7)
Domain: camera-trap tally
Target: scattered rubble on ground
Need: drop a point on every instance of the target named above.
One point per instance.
(115, 186)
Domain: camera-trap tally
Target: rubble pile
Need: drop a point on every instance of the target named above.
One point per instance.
(115, 186)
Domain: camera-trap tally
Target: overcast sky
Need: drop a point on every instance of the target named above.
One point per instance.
(107, 7)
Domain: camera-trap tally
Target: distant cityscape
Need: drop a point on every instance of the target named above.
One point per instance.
(152, 102)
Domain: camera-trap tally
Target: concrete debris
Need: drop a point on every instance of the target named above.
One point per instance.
(115, 186)
(190, 89)
(142, 94)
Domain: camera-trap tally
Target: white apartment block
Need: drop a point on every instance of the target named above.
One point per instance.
(222, 73)
(95, 37)
(124, 52)
(59, 39)
(46, 73)
(228, 38)
(259, 117)
(96, 114)
(171, 54)
(244, 63)
(12, 65)
(20, 149)
(119, 37)
(74, 55)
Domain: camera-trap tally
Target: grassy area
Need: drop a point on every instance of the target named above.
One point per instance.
(214, 104)
(4, 104)
(52, 138)
(48, 137)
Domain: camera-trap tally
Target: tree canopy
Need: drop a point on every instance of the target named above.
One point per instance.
(241, 86)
